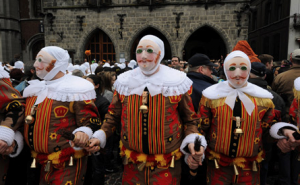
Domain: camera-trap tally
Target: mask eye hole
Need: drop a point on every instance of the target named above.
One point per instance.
(139, 51)
(39, 59)
(232, 68)
(149, 50)
(244, 68)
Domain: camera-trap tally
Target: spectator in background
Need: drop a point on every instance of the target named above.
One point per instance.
(95, 168)
(175, 61)
(16, 76)
(268, 61)
(19, 65)
(285, 65)
(78, 72)
(284, 82)
(200, 70)
(217, 68)
(257, 77)
(16, 58)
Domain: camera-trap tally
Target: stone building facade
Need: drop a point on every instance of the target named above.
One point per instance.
(211, 27)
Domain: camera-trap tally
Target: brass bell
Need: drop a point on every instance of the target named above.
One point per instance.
(144, 108)
(125, 160)
(71, 161)
(33, 164)
(142, 166)
(235, 170)
(193, 173)
(216, 164)
(238, 131)
(48, 166)
(254, 167)
(172, 165)
(29, 119)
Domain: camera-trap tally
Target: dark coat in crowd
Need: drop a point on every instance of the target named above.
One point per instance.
(200, 82)
(102, 104)
(277, 100)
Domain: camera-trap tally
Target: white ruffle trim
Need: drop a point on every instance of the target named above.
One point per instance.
(100, 134)
(66, 89)
(191, 139)
(275, 128)
(3, 73)
(19, 139)
(297, 84)
(7, 135)
(68, 97)
(164, 90)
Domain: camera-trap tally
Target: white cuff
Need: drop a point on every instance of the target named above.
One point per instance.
(100, 134)
(84, 129)
(7, 135)
(275, 128)
(185, 158)
(191, 139)
(19, 140)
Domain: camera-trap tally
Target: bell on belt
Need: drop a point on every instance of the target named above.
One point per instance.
(238, 131)
(33, 164)
(29, 119)
(144, 108)
(142, 166)
(254, 167)
(235, 170)
(172, 165)
(216, 164)
(48, 166)
(125, 160)
(71, 161)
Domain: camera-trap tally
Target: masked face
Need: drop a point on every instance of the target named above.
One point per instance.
(147, 55)
(237, 71)
(43, 64)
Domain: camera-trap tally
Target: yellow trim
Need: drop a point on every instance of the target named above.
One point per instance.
(54, 157)
(296, 94)
(264, 102)
(12, 103)
(59, 107)
(71, 107)
(159, 158)
(239, 161)
(5, 126)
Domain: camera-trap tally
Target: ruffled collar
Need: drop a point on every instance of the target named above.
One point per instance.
(66, 89)
(3, 73)
(222, 90)
(166, 81)
(297, 84)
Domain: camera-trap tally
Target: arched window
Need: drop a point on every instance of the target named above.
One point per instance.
(101, 46)
(36, 47)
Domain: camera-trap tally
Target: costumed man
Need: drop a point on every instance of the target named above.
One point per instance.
(234, 114)
(153, 105)
(11, 118)
(57, 110)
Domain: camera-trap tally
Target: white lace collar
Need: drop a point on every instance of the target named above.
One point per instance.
(222, 90)
(66, 89)
(166, 81)
(297, 84)
(3, 73)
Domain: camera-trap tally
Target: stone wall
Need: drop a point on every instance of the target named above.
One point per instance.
(222, 18)
(10, 40)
